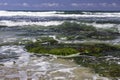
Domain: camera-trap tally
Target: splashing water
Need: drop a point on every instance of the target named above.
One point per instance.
(30, 67)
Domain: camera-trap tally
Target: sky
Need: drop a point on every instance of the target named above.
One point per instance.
(105, 5)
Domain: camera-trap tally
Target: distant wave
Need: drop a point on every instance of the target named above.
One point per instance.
(47, 18)
(23, 23)
(50, 23)
(107, 25)
(58, 14)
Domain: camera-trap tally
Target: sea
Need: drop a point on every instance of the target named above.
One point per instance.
(18, 64)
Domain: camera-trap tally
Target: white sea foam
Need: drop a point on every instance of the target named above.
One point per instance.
(107, 25)
(9, 49)
(68, 70)
(118, 62)
(8, 64)
(37, 67)
(43, 15)
(16, 49)
(53, 14)
(23, 23)
(21, 13)
(59, 78)
(97, 77)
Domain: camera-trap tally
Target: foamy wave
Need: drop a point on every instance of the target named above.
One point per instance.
(21, 13)
(58, 14)
(107, 25)
(50, 23)
(23, 23)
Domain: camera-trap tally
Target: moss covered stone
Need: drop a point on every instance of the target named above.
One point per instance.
(63, 51)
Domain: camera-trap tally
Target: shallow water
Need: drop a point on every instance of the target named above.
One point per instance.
(31, 67)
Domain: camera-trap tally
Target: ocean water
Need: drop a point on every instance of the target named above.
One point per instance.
(19, 18)
(17, 63)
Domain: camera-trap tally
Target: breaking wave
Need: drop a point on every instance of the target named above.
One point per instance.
(24, 23)
(58, 14)
(48, 18)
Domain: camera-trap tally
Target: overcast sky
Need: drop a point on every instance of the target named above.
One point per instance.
(60, 5)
